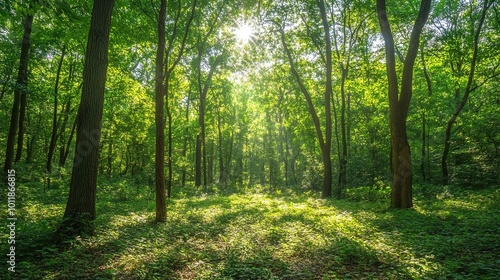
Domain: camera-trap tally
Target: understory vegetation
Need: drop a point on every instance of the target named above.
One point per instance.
(260, 233)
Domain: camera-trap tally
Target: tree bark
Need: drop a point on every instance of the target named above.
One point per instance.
(19, 90)
(161, 205)
(399, 102)
(82, 193)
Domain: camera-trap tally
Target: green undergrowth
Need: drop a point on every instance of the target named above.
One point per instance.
(450, 234)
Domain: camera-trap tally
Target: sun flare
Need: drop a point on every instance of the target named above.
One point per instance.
(243, 33)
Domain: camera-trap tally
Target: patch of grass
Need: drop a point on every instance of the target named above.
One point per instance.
(450, 234)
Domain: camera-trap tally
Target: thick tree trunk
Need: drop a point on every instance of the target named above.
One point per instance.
(161, 205)
(401, 192)
(81, 201)
(19, 90)
(399, 102)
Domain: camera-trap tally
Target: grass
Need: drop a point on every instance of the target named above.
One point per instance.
(450, 234)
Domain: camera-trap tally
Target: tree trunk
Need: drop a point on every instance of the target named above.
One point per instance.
(343, 158)
(161, 205)
(81, 202)
(201, 153)
(19, 90)
(197, 170)
(20, 132)
(399, 102)
(422, 150)
(170, 137)
(221, 158)
(468, 89)
(325, 145)
(327, 183)
(64, 156)
(53, 138)
(184, 148)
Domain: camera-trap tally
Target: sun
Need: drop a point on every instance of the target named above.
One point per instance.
(243, 33)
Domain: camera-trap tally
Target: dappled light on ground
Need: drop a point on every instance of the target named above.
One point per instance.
(264, 236)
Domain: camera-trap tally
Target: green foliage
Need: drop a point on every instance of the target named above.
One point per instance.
(452, 233)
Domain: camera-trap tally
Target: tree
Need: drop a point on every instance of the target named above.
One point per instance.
(161, 207)
(53, 138)
(20, 92)
(468, 89)
(80, 207)
(399, 103)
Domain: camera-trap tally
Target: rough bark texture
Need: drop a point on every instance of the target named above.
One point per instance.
(399, 102)
(19, 90)
(161, 206)
(81, 202)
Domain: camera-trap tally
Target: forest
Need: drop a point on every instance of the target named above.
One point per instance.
(250, 139)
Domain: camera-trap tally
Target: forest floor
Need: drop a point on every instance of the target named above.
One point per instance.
(450, 234)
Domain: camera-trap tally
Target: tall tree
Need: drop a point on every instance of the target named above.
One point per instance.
(468, 89)
(399, 103)
(53, 138)
(20, 92)
(161, 210)
(325, 141)
(82, 193)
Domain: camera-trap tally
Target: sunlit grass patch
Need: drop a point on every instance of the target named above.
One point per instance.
(269, 236)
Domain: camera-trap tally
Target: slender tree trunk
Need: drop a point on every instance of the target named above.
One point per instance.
(343, 158)
(62, 159)
(444, 159)
(110, 155)
(81, 201)
(19, 90)
(221, 158)
(198, 160)
(170, 137)
(184, 148)
(161, 205)
(201, 153)
(53, 138)
(327, 184)
(61, 133)
(20, 132)
(324, 144)
(399, 102)
(422, 158)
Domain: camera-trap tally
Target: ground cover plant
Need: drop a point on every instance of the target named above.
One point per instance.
(259, 233)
